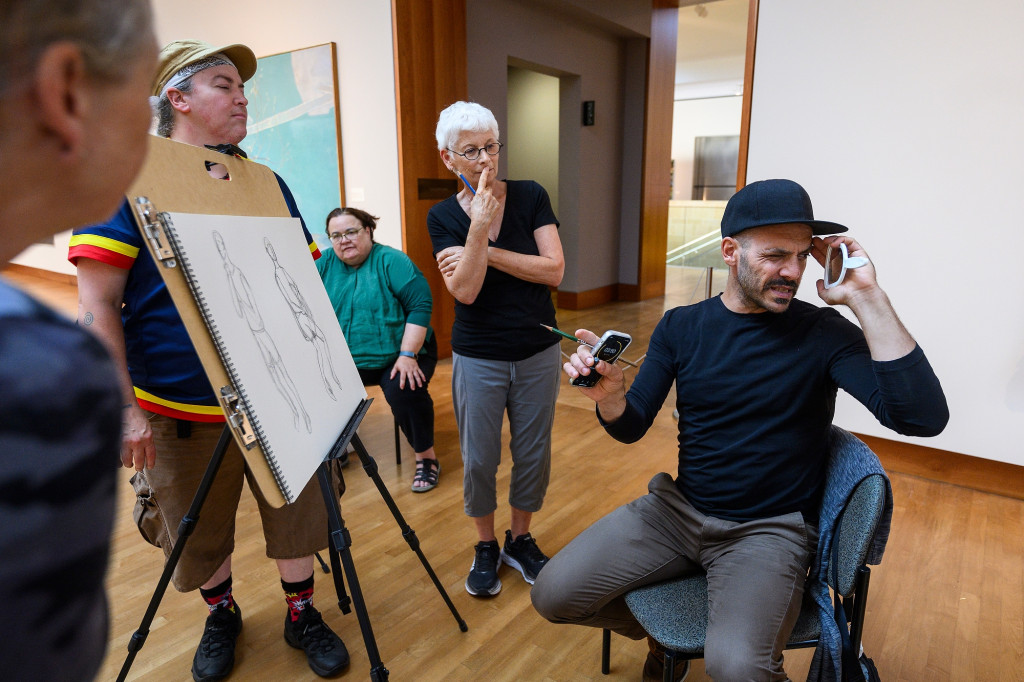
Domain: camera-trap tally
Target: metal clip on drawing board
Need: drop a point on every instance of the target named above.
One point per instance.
(153, 228)
(236, 417)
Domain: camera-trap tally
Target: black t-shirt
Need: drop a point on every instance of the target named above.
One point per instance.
(756, 395)
(503, 323)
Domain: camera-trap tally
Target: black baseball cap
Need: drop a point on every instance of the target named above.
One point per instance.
(772, 202)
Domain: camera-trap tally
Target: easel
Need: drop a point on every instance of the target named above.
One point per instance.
(340, 542)
(175, 179)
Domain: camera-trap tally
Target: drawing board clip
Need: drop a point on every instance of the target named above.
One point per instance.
(236, 417)
(153, 227)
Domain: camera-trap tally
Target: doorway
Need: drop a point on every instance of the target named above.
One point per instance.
(533, 129)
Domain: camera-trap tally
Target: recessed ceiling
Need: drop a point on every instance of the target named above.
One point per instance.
(711, 49)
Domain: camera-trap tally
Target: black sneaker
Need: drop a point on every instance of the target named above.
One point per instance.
(483, 576)
(215, 656)
(325, 651)
(524, 555)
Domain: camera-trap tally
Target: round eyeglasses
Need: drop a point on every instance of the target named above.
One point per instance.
(473, 153)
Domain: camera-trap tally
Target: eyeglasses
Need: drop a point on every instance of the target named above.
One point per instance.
(837, 262)
(473, 153)
(349, 235)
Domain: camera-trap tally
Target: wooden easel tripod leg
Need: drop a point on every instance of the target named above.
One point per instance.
(185, 528)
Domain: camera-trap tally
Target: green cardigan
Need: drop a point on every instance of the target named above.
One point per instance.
(375, 300)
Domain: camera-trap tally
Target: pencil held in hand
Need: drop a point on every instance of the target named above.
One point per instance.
(568, 336)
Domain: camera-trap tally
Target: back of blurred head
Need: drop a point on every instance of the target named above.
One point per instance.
(73, 85)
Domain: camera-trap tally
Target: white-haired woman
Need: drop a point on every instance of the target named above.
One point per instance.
(496, 243)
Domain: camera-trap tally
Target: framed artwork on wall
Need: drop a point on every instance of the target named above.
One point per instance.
(295, 128)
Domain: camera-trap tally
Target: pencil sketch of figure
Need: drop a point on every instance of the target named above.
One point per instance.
(245, 306)
(303, 315)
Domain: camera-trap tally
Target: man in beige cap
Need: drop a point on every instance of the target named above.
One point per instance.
(172, 421)
(73, 119)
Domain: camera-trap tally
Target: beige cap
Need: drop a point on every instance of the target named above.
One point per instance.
(179, 54)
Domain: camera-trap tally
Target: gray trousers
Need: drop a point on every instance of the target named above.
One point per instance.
(756, 572)
(482, 392)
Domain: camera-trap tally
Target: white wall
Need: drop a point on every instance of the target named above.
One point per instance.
(366, 75)
(903, 122)
(699, 118)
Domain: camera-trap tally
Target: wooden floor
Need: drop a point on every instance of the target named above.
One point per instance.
(945, 604)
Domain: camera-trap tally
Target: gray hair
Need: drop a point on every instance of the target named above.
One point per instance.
(108, 32)
(162, 108)
(463, 117)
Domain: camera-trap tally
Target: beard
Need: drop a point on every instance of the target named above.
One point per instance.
(756, 290)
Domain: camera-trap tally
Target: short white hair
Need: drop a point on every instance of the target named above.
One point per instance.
(463, 117)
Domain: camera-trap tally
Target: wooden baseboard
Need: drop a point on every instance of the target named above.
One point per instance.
(627, 292)
(30, 271)
(579, 300)
(986, 475)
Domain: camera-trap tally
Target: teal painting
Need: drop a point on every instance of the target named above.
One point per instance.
(293, 128)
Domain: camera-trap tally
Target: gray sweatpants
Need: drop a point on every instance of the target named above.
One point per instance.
(756, 572)
(482, 391)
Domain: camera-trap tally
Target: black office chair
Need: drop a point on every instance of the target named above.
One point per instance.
(675, 612)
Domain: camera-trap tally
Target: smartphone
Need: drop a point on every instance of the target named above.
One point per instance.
(608, 348)
(837, 262)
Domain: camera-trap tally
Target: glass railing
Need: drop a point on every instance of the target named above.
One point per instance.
(704, 251)
(694, 236)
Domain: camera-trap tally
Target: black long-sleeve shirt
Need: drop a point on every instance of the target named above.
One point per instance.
(756, 396)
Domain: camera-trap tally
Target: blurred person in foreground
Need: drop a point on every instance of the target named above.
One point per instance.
(74, 77)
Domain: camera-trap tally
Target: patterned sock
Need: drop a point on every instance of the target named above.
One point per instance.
(299, 596)
(219, 597)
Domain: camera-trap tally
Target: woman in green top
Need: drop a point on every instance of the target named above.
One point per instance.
(383, 304)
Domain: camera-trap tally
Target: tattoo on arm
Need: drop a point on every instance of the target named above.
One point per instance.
(87, 319)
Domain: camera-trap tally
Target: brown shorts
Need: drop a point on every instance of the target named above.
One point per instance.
(165, 492)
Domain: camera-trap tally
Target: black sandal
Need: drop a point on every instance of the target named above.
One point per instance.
(427, 471)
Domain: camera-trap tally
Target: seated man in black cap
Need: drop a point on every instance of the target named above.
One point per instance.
(756, 375)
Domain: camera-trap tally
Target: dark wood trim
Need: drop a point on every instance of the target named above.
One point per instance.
(42, 273)
(748, 93)
(966, 471)
(627, 292)
(657, 146)
(337, 122)
(578, 300)
(430, 73)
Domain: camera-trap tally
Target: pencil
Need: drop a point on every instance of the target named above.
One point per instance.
(467, 183)
(568, 336)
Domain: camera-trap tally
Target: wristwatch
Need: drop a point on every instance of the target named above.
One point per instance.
(407, 354)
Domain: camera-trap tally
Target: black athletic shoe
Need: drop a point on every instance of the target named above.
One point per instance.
(215, 656)
(524, 555)
(483, 576)
(325, 651)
